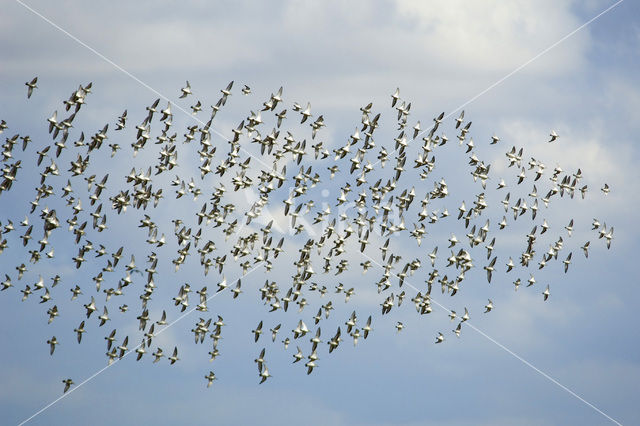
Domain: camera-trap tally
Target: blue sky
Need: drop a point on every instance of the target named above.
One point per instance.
(339, 58)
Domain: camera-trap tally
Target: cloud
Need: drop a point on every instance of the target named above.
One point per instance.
(497, 36)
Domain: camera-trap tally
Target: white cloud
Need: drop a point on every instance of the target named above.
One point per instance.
(496, 36)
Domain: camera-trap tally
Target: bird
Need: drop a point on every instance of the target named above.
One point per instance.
(567, 262)
(226, 92)
(298, 355)
(140, 351)
(394, 97)
(210, 377)
(274, 332)
(158, 355)
(569, 227)
(174, 356)
(6, 283)
(31, 85)
(91, 307)
(264, 374)
(257, 332)
(458, 329)
(306, 113)
(460, 119)
(490, 268)
(260, 359)
(163, 318)
(104, 317)
(67, 384)
(546, 293)
(465, 317)
(122, 121)
(186, 90)
(52, 344)
(367, 328)
(310, 366)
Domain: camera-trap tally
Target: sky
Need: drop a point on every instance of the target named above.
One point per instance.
(518, 69)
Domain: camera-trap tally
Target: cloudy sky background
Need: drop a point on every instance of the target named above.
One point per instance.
(341, 57)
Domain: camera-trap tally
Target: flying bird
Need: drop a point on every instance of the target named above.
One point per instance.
(31, 85)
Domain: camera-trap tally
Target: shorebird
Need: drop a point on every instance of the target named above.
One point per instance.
(186, 90)
(67, 384)
(31, 85)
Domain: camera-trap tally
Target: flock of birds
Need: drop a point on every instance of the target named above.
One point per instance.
(365, 215)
